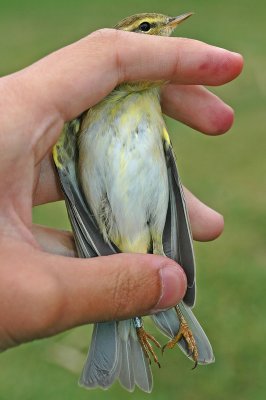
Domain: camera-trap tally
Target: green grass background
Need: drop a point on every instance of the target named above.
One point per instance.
(227, 172)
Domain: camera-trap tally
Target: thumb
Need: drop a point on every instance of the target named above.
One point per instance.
(120, 286)
(46, 294)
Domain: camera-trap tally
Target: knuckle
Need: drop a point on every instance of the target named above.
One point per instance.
(152, 290)
(123, 291)
(104, 34)
(176, 67)
(183, 43)
(136, 291)
(112, 39)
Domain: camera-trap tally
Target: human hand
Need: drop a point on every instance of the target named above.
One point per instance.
(42, 291)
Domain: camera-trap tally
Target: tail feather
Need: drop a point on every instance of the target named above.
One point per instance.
(102, 364)
(141, 366)
(115, 353)
(168, 323)
(126, 375)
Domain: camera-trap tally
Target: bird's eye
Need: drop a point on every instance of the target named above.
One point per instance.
(145, 27)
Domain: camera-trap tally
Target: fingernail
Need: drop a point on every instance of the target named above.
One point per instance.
(173, 284)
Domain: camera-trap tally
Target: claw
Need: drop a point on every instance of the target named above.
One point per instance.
(185, 333)
(144, 338)
(195, 365)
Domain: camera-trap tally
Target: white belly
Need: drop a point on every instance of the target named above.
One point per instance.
(124, 175)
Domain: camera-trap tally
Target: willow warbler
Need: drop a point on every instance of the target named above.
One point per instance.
(123, 194)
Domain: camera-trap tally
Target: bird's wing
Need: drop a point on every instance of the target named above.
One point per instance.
(177, 237)
(177, 241)
(88, 238)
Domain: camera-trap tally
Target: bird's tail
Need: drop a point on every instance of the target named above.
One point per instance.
(168, 323)
(115, 353)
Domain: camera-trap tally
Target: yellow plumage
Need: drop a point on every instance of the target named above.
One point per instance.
(130, 142)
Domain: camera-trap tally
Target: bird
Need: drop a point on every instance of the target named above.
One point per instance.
(123, 193)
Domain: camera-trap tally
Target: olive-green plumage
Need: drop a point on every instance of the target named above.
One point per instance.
(151, 23)
(123, 193)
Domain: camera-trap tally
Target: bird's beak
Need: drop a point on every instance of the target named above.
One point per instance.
(174, 21)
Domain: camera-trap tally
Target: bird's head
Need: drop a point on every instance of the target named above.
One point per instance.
(151, 23)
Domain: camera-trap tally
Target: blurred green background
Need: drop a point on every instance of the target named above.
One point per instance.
(227, 172)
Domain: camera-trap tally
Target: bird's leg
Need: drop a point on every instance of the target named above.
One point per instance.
(144, 340)
(184, 332)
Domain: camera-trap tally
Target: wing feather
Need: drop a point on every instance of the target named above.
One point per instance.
(88, 238)
(177, 236)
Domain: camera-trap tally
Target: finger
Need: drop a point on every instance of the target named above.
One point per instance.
(47, 187)
(178, 60)
(55, 241)
(206, 223)
(197, 107)
(50, 294)
(128, 56)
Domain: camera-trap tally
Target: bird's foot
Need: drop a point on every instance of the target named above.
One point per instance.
(185, 333)
(144, 339)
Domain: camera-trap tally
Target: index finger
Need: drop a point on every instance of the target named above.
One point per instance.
(80, 75)
(179, 60)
